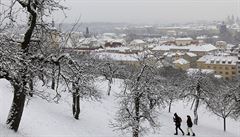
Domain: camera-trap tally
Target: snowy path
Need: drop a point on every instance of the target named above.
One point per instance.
(43, 119)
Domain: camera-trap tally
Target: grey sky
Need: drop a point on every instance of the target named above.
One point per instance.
(149, 11)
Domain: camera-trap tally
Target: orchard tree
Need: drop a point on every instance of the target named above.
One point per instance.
(196, 86)
(80, 79)
(139, 100)
(108, 69)
(172, 80)
(234, 94)
(219, 101)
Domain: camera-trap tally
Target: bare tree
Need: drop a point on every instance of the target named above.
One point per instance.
(172, 83)
(236, 96)
(197, 86)
(80, 81)
(109, 69)
(220, 101)
(139, 100)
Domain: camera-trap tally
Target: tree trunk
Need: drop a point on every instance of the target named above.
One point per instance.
(195, 121)
(137, 118)
(224, 124)
(109, 87)
(31, 87)
(16, 111)
(192, 104)
(152, 103)
(135, 131)
(170, 105)
(53, 78)
(76, 104)
(53, 84)
(197, 100)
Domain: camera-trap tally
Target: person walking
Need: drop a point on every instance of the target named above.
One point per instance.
(189, 126)
(177, 121)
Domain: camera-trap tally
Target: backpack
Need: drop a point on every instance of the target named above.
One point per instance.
(180, 120)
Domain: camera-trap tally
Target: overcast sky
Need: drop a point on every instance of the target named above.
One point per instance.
(149, 11)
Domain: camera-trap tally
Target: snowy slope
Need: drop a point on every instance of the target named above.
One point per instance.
(43, 119)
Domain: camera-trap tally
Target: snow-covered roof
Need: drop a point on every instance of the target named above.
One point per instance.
(183, 39)
(205, 47)
(111, 40)
(213, 59)
(192, 71)
(118, 56)
(87, 40)
(191, 48)
(181, 61)
(137, 41)
(230, 46)
(121, 49)
(171, 54)
(201, 37)
(191, 54)
(122, 35)
(109, 34)
(215, 37)
(137, 48)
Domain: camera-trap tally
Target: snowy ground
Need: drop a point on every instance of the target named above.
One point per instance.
(43, 119)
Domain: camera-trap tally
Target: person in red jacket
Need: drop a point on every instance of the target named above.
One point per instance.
(177, 121)
(189, 126)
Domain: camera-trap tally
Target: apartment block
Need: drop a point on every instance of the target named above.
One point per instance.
(226, 66)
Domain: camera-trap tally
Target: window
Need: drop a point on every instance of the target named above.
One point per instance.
(220, 72)
(233, 67)
(226, 68)
(233, 72)
(226, 73)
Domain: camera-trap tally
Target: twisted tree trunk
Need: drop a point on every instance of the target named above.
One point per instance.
(76, 105)
(195, 121)
(76, 102)
(109, 87)
(197, 100)
(16, 111)
(20, 86)
(137, 117)
(170, 105)
(53, 78)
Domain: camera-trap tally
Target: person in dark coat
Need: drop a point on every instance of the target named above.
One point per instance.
(177, 121)
(189, 126)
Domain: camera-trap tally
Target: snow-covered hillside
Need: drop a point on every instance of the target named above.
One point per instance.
(44, 119)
